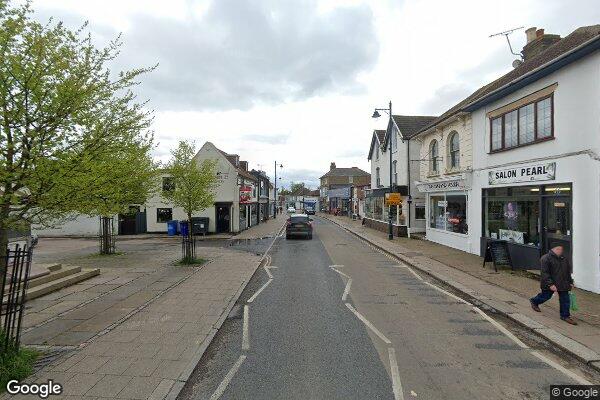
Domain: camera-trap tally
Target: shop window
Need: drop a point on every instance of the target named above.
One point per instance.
(514, 217)
(378, 208)
(164, 214)
(433, 154)
(454, 150)
(527, 124)
(420, 212)
(448, 212)
(456, 213)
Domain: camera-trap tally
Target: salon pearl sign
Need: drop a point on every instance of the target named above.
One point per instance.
(523, 173)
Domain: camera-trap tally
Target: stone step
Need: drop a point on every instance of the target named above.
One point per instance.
(57, 284)
(54, 275)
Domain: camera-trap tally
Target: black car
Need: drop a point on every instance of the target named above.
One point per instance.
(298, 225)
(310, 211)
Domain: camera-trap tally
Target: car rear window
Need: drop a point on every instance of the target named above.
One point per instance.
(295, 220)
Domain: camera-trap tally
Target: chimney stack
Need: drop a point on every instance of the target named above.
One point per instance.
(244, 165)
(537, 42)
(531, 34)
(331, 166)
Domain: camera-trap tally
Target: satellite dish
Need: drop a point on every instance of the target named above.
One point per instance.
(517, 63)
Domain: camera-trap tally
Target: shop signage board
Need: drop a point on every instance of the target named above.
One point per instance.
(455, 184)
(393, 199)
(497, 252)
(245, 194)
(523, 173)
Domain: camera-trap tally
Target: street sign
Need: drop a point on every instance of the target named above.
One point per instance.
(393, 199)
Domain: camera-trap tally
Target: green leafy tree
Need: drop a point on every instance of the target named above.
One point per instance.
(61, 110)
(192, 183)
(114, 181)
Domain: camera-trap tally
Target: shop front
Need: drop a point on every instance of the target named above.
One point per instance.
(377, 213)
(447, 210)
(340, 200)
(525, 206)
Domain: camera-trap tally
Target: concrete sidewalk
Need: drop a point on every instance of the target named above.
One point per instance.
(153, 348)
(506, 292)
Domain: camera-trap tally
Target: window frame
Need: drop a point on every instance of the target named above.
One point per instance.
(377, 177)
(434, 168)
(536, 139)
(163, 208)
(453, 135)
(395, 171)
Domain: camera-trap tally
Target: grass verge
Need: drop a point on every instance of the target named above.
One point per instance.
(194, 261)
(16, 364)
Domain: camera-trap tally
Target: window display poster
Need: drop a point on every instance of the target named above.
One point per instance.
(511, 215)
(512, 236)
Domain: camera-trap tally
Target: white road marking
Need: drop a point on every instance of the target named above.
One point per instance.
(268, 272)
(348, 282)
(347, 289)
(447, 293)
(368, 324)
(396, 384)
(334, 267)
(562, 369)
(255, 295)
(501, 328)
(245, 335)
(415, 274)
(223, 385)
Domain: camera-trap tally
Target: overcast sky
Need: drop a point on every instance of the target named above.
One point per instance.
(296, 80)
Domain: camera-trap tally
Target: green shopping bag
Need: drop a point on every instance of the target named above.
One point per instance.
(573, 300)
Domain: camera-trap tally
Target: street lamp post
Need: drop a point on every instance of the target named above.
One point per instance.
(377, 115)
(275, 189)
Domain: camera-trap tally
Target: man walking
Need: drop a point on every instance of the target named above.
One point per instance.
(556, 273)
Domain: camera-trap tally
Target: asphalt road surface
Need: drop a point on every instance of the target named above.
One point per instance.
(336, 319)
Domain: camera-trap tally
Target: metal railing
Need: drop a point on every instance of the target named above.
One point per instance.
(12, 295)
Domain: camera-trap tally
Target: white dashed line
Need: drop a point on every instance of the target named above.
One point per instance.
(223, 385)
(415, 274)
(245, 335)
(255, 295)
(396, 384)
(368, 324)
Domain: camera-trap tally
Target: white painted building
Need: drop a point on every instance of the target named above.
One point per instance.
(446, 161)
(236, 197)
(537, 164)
(399, 138)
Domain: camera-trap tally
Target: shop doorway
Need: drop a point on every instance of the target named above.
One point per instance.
(223, 218)
(556, 223)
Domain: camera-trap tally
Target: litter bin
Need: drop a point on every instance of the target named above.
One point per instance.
(184, 228)
(199, 225)
(172, 227)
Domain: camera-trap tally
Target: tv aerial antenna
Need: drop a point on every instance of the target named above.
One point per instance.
(515, 63)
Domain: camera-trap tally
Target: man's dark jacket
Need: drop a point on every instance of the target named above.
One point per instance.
(557, 271)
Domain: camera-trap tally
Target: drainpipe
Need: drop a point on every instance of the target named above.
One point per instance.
(409, 201)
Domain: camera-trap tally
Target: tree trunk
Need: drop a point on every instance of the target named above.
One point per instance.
(3, 249)
(106, 245)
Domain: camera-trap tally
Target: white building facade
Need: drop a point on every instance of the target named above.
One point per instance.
(446, 180)
(536, 164)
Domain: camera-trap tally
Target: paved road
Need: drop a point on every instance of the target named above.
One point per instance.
(388, 334)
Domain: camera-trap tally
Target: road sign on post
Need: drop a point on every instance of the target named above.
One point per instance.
(393, 199)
